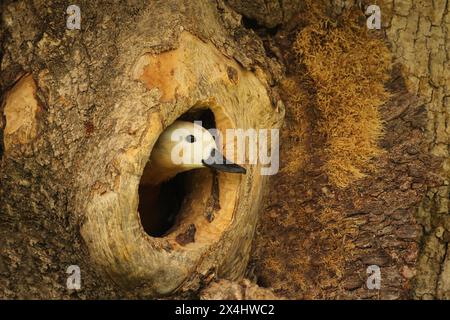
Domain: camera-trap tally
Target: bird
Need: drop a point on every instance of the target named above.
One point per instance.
(196, 148)
(182, 147)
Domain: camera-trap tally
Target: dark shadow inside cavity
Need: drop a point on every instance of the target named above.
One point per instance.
(206, 116)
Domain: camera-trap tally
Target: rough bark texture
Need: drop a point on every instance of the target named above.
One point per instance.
(326, 237)
(314, 240)
(73, 157)
(419, 33)
(329, 236)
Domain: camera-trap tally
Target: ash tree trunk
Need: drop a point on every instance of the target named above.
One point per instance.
(81, 110)
(395, 218)
(419, 33)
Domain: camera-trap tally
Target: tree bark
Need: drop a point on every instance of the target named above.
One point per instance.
(319, 242)
(82, 110)
(419, 33)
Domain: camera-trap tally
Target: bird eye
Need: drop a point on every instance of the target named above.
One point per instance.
(190, 138)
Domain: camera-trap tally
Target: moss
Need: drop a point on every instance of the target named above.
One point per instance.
(333, 93)
(296, 124)
(349, 67)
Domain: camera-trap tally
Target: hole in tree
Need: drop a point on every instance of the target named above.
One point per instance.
(160, 205)
(259, 29)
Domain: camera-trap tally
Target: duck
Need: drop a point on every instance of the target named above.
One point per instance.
(185, 146)
(182, 147)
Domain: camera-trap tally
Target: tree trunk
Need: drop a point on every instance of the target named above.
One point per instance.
(420, 37)
(322, 241)
(82, 110)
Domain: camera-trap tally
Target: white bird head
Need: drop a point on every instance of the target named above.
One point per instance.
(185, 146)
